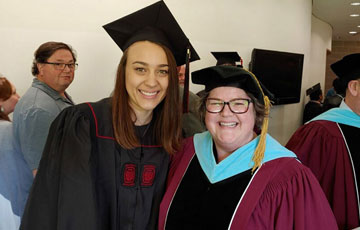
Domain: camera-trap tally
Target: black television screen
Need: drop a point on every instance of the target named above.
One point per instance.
(280, 73)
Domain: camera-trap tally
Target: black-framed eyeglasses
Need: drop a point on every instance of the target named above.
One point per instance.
(237, 105)
(61, 66)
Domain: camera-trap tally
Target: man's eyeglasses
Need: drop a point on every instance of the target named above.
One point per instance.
(61, 66)
(237, 105)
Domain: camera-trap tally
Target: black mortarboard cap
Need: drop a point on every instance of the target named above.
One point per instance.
(218, 76)
(154, 23)
(348, 68)
(229, 58)
(313, 89)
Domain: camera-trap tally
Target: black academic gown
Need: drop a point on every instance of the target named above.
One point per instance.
(87, 181)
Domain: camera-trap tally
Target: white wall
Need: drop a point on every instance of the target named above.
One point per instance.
(228, 25)
(321, 38)
(286, 119)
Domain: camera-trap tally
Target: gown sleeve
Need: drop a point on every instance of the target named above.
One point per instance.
(321, 147)
(292, 200)
(62, 196)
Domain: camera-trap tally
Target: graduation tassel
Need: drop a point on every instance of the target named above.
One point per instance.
(186, 83)
(260, 148)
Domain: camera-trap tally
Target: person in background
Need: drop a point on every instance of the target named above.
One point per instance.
(191, 122)
(8, 98)
(314, 107)
(231, 178)
(105, 164)
(329, 146)
(330, 92)
(15, 175)
(181, 75)
(335, 100)
(53, 70)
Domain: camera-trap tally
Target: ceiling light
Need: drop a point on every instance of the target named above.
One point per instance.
(358, 26)
(352, 32)
(355, 3)
(354, 15)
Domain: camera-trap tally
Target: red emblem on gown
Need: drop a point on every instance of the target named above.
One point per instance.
(129, 174)
(148, 175)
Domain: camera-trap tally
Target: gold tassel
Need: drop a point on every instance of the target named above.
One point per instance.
(260, 148)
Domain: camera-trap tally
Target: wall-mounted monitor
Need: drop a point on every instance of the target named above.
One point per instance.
(280, 73)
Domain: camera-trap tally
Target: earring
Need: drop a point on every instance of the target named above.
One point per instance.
(2, 109)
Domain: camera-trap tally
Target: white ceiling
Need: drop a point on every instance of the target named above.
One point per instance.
(336, 13)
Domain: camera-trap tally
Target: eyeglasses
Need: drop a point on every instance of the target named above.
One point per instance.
(61, 66)
(237, 105)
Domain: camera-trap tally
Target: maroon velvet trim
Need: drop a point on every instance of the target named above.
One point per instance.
(96, 124)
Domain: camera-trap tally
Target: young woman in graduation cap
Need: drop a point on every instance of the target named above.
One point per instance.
(229, 177)
(105, 164)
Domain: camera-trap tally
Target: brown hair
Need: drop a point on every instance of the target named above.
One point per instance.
(46, 50)
(5, 93)
(167, 115)
(259, 109)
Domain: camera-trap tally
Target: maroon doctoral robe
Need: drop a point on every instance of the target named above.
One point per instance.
(320, 145)
(282, 194)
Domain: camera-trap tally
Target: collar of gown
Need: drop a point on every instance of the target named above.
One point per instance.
(237, 162)
(340, 115)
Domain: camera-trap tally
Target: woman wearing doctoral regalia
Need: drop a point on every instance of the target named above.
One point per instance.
(230, 177)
